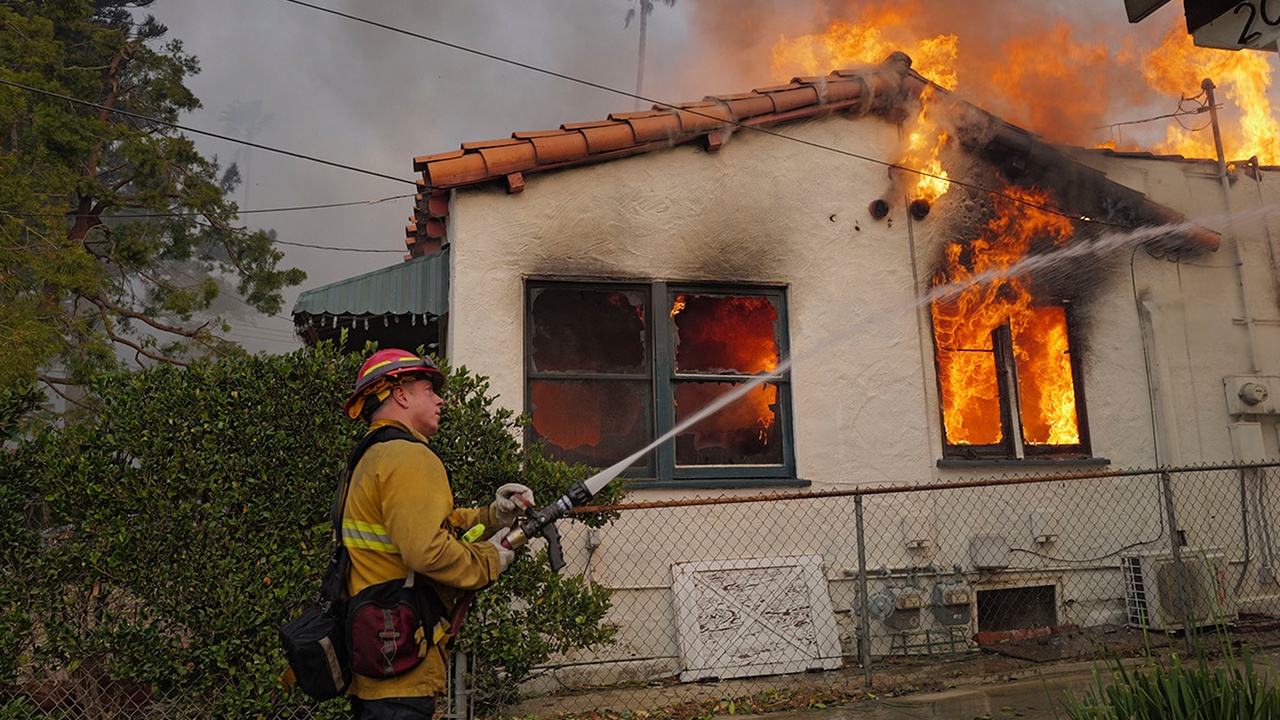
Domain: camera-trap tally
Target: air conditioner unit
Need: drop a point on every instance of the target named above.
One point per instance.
(1154, 599)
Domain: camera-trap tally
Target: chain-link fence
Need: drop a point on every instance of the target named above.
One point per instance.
(1043, 568)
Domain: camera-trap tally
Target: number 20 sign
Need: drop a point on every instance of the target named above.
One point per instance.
(1247, 24)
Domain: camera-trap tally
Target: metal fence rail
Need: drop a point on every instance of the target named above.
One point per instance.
(764, 586)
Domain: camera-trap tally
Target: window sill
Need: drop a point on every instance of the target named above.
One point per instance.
(715, 483)
(1020, 462)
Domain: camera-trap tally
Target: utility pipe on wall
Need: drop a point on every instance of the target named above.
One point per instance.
(1159, 383)
(1249, 324)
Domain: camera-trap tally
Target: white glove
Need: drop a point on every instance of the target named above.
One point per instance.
(505, 555)
(510, 500)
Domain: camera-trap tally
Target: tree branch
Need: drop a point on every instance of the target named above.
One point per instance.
(53, 382)
(105, 303)
(139, 350)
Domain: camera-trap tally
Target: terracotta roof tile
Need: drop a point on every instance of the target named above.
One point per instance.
(608, 136)
(838, 91)
(482, 144)
(703, 116)
(748, 105)
(559, 147)
(881, 89)
(652, 125)
(420, 163)
(790, 97)
(662, 126)
(506, 159)
(452, 172)
(621, 134)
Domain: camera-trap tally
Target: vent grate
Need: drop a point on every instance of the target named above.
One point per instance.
(1135, 593)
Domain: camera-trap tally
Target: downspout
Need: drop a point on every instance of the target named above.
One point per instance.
(1236, 241)
(1158, 382)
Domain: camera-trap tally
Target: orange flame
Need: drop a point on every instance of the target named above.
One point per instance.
(1242, 79)
(868, 40)
(963, 327)
(719, 335)
(924, 142)
(1064, 82)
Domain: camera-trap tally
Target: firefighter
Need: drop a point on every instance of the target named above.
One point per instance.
(399, 517)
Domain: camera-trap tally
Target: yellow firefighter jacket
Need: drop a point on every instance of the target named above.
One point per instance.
(398, 516)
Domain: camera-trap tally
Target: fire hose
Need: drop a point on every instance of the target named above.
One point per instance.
(538, 523)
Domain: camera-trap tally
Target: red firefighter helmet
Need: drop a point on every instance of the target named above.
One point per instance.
(378, 372)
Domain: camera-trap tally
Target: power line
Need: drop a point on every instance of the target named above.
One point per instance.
(338, 249)
(290, 208)
(691, 111)
(185, 128)
(192, 216)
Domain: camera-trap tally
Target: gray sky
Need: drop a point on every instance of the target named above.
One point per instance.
(366, 97)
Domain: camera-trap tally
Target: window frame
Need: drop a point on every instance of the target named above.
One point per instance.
(1013, 447)
(660, 340)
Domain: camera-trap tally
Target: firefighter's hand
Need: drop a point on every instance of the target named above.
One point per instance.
(505, 555)
(510, 500)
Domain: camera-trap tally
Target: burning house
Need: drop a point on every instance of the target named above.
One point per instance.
(928, 291)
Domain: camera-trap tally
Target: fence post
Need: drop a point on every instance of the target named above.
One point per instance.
(1188, 630)
(459, 695)
(864, 615)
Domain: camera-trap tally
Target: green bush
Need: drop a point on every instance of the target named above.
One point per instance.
(188, 521)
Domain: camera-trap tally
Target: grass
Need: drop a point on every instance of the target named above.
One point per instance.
(1169, 689)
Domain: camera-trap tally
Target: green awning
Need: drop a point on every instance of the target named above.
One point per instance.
(417, 287)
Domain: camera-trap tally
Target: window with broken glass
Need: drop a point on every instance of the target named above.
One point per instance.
(611, 367)
(1008, 382)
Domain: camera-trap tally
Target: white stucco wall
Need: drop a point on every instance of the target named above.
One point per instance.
(763, 210)
(1202, 331)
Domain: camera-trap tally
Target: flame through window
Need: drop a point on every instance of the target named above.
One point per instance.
(606, 375)
(1007, 383)
(718, 336)
(995, 367)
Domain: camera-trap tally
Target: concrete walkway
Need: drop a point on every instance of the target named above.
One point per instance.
(1033, 694)
(978, 689)
(1040, 698)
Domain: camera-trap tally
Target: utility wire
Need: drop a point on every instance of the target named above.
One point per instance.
(1177, 114)
(691, 111)
(339, 249)
(551, 73)
(131, 216)
(185, 128)
(324, 205)
(276, 241)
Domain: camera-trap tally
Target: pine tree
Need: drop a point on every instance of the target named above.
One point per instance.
(116, 235)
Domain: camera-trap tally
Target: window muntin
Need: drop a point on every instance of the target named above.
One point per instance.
(996, 366)
(594, 400)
